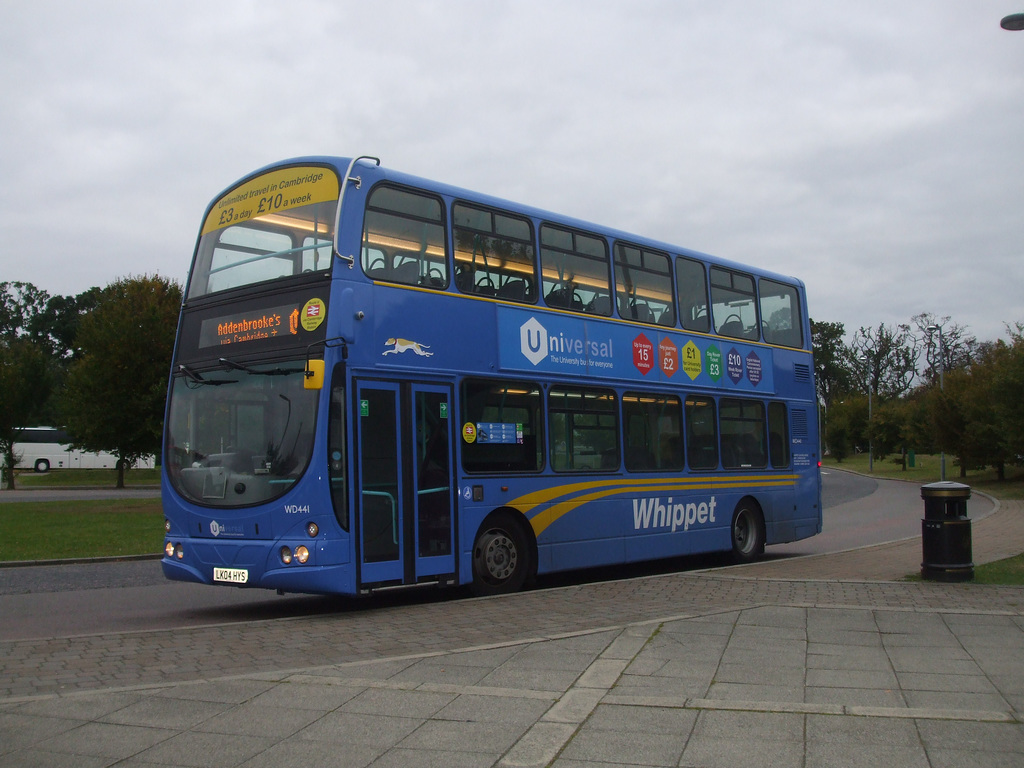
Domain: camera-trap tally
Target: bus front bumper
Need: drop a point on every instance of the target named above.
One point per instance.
(259, 567)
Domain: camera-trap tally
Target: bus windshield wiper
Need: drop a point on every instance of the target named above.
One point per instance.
(257, 372)
(195, 377)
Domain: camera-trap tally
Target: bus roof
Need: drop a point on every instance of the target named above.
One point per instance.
(375, 174)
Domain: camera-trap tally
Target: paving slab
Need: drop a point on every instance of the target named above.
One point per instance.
(821, 661)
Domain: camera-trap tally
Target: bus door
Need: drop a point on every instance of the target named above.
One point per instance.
(405, 493)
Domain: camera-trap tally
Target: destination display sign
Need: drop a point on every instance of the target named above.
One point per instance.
(259, 325)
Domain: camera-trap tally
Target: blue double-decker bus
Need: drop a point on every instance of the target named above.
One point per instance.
(382, 381)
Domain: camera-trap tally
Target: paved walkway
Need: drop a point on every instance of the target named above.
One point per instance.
(995, 537)
(821, 661)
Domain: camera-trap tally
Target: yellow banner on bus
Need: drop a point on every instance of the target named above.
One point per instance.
(273, 192)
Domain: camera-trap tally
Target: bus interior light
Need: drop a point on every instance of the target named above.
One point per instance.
(399, 244)
(293, 222)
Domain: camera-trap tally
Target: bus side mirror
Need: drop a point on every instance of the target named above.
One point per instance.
(314, 374)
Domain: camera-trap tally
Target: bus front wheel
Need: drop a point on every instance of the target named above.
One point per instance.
(501, 556)
(748, 535)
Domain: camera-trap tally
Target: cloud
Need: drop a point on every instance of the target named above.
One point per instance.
(868, 150)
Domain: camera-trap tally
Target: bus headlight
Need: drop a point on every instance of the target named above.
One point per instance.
(302, 555)
(169, 549)
(167, 525)
(286, 555)
(312, 529)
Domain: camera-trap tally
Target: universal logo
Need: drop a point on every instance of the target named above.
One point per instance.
(537, 344)
(217, 529)
(533, 340)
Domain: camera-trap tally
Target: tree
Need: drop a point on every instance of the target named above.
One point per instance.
(1007, 392)
(25, 382)
(115, 392)
(977, 414)
(958, 348)
(986, 438)
(20, 305)
(888, 359)
(966, 419)
(28, 312)
(832, 364)
(888, 428)
(918, 428)
(57, 326)
(949, 418)
(50, 321)
(846, 425)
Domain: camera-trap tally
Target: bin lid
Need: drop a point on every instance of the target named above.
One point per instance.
(946, 489)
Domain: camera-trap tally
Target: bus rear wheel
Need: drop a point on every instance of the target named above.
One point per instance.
(42, 465)
(501, 556)
(748, 535)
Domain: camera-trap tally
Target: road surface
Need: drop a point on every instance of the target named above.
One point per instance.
(81, 599)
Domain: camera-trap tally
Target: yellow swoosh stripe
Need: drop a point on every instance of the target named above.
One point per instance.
(578, 494)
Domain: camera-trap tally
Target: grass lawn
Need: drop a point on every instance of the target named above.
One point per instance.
(927, 470)
(95, 478)
(41, 530)
(1008, 572)
(50, 530)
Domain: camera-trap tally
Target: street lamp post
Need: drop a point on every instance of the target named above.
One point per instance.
(942, 367)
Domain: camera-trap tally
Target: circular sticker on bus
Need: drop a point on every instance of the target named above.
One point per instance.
(469, 432)
(313, 314)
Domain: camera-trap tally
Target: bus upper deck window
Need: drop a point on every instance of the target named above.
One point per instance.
(734, 304)
(643, 285)
(692, 293)
(780, 314)
(404, 238)
(574, 271)
(276, 225)
(494, 254)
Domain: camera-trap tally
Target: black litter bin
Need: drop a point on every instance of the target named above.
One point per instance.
(946, 533)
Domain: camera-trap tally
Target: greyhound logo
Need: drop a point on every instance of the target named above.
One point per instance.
(404, 345)
(533, 340)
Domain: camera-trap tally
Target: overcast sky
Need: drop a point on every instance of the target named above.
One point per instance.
(873, 149)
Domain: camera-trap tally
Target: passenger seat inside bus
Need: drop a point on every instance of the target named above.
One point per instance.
(513, 290)
(600, 305)
(642, 312)
(407, 272)
(631, 309)
(733, 328)
(564, 298)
